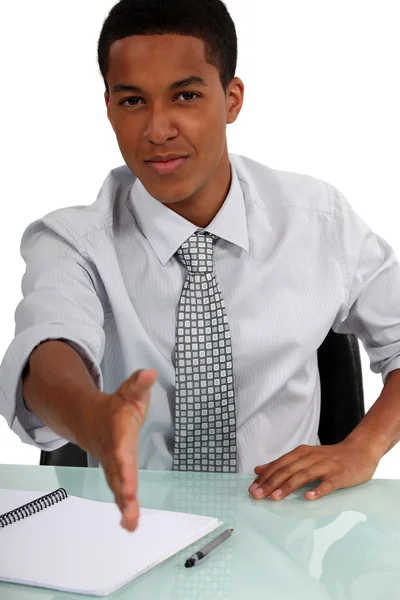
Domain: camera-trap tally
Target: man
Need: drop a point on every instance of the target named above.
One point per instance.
(175, 322)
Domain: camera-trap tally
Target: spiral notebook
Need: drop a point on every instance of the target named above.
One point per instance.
(75, 545)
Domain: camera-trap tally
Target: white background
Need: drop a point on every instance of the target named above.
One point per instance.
(322, 96)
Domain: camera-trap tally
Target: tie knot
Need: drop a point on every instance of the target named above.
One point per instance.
(197, 253)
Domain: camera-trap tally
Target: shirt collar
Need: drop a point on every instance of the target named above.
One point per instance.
(166, 231)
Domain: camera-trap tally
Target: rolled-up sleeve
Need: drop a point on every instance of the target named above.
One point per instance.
(371, 273)
(60, 301)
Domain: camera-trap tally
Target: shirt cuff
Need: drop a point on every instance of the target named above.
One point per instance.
(23, 422)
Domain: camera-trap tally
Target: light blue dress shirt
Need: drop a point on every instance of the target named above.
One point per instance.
(292, 259)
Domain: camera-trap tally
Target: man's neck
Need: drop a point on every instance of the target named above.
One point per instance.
(201, 208)
(199, 215)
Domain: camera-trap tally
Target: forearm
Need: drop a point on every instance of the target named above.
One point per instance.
(60, 391)
(380, 428)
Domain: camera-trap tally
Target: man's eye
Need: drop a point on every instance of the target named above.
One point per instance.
(123, 102)
(129, 100)
(189, 94)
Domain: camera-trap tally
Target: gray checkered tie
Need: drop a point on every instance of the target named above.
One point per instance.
(205, 420)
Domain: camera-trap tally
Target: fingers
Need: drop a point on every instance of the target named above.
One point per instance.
(272, 477)
(324, 488)
(123, 483)
(129, 480)
(290, 477)
(128, 471)
(130, 517)
(127, 503)
(286, 462)
(122, 417)
(121, 471)
(115, 486)
(258, 470)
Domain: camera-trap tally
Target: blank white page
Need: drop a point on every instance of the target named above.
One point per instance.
(79, 546)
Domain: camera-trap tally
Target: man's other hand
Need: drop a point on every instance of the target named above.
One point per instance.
(338, 466)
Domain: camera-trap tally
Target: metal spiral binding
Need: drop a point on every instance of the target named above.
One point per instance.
(32, 507)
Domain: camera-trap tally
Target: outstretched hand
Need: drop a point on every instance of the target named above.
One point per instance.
(113, 439)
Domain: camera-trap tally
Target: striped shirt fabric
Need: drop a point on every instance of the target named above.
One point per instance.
(292, 259)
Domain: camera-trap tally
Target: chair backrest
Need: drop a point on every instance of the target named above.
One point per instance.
(68, 455)
(342, 395)
(342, 398)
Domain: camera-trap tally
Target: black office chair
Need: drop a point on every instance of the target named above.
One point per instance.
(342, 398)
(342, 395)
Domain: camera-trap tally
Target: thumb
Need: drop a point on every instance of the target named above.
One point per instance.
(140, 382)
(135, 390)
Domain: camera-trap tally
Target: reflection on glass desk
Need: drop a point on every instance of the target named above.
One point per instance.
(345, 546)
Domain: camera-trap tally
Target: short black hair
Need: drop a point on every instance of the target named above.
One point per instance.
(208, 20)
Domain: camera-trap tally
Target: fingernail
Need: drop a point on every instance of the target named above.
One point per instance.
(258, 491)
(312, 494)
(277, 494)
(253, 488)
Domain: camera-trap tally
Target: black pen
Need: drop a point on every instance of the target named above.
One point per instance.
(201, 554)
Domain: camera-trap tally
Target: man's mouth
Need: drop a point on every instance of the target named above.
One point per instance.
(168, 167)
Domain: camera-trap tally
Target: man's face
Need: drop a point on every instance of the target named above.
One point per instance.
(188, 120)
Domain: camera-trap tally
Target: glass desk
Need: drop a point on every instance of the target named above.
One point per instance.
(342, 547)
